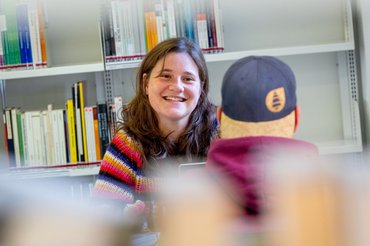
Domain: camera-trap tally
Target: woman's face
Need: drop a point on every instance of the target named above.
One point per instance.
(174, 91)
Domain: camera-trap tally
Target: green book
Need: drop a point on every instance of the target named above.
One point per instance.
(11, 39)
(20, 138)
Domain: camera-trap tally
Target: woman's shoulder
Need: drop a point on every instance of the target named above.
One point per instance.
(126, 143)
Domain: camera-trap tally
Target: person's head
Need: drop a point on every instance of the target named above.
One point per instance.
(258, 99)
(171, 100)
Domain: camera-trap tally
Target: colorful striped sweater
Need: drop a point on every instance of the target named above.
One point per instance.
(121, 176)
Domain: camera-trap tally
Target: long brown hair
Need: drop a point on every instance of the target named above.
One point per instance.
(140, 119)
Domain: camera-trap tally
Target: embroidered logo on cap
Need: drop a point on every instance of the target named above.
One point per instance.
(275, 100)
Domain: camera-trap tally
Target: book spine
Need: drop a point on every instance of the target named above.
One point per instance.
(5, 135)
(90, 134)
(171, 23)
(25, 139)
(61, 136)
(96, 133)
(71, 131)
(9, 9)
(83, 121)
(20, 138)
(2, 30)
(103, 127)
(41, 22)
(78, 126)
(34, 30)
(24, 34)
(117, 28)
(10, 141)
(218, 23)
(105, 13)
(14, 121)
(30, 154)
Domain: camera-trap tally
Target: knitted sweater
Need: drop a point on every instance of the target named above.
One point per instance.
(121, 176)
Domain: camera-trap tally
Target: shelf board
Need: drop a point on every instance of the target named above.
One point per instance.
(339, 147)
(69, 170)
(229, 56)
(51, 71)
(285, 51)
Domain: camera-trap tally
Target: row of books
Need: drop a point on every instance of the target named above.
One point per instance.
(74, 134)
(22, 34)
(131, 28)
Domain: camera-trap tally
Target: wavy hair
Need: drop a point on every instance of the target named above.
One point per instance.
(140, 121)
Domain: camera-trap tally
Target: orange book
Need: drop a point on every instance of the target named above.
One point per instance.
(150, 26)
(40, 9)
(96, 134)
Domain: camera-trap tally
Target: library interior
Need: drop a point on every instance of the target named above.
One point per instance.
(68, 69)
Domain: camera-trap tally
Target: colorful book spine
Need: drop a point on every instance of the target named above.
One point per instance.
(12, 58)
(80, 85)
(9, 138)
(41, 18)
(71, 131)
(24, 34)
(98, 150)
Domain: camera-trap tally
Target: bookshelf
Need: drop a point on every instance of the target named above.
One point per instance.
(314, 37)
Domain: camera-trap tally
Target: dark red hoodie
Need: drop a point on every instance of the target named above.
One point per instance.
(241, 163)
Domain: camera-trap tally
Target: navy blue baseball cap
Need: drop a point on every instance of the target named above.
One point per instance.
(257, 89)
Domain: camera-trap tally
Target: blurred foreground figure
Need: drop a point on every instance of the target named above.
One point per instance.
(196, 212)
(40, 216)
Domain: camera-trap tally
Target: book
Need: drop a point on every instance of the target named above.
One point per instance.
(2, 29)
(14, 122)
(50, 136)
(38, 139)
(117, 28)
(71, 131)
(138, 27)
(97, 133)
(24, 138)
(78, 122)
(218, 21)
(24, 34)
(59, 136)
(43, 44)
(89, 119)
(102, 112)
(118, 103)
(150, 25)
(34, 30)
(170, 19)
(9, 138)
(20, 122)
(12, 55)
(107, 29)
(82, 100)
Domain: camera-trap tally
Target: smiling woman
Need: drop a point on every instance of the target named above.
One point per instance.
(169, 118)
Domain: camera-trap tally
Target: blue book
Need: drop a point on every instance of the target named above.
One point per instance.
(24, 33)
(188, 21)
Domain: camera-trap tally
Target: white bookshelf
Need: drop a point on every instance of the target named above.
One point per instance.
(53, 171)
(52, 71)
(314, 37)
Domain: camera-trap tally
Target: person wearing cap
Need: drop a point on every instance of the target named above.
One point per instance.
(258, 114)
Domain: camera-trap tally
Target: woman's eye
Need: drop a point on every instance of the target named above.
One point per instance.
(166, 76)
(189, 79)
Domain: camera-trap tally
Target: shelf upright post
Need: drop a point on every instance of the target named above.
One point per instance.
(108, 86)
(3, 94)
(349, 96)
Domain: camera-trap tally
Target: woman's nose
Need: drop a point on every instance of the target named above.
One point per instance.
(177, 85)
